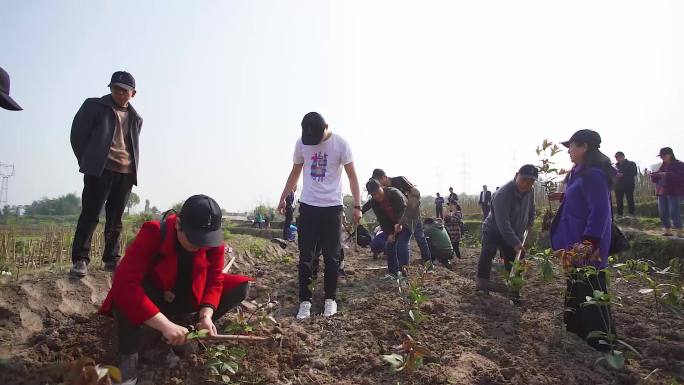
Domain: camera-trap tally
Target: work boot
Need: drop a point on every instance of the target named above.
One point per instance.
(79, 269)
(112, 264)
(128, 365)
(667, 232)
(486, 286)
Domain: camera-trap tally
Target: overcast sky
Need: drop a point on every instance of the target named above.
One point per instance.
(447, 93)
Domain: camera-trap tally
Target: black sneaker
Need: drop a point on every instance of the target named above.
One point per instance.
(79, 269)
(128, 365)
(112, 264)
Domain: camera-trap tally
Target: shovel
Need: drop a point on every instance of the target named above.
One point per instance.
(518, 254)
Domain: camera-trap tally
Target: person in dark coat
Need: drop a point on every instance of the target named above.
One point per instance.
(172, 268)
(412, 213)
(584, 217)
(512, 213)
(104, 138)
(439, 206)
(485, 201)
(453, 197)
(625, 182)
(389, 205)
(669, 180)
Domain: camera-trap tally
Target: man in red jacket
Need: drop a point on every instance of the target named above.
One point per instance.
(172, 267)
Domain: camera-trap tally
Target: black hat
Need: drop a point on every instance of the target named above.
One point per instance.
(201, 221)
(123, 80)
(666, 151)
(529, 171)
(313, 127)
(6, 101)
(372, 186)
(378, 173)
(590, 137)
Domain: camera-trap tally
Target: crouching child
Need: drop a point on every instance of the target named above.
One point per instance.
(173, 267)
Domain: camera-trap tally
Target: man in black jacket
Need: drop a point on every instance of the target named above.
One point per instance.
(627, 171)
(389, 206)
(412, 214)
(485, 201)
(104, 137)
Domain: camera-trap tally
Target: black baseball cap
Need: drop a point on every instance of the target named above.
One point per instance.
(666, 151)
(378, 173)
(201, 221)
(313, 127)
(123, 80)
(6, 101)
(372, 186)
(590, 137)
(529, 171)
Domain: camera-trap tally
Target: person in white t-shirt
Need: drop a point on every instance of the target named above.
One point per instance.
(321, 155)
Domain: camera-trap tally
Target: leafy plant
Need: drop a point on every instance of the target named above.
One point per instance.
(407, 356)
(548, 175)
(614, 358)
(223, 363)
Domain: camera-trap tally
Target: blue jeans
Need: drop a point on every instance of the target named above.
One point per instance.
(670, 212)
(377, 244)
(421, 241)
(398, 251)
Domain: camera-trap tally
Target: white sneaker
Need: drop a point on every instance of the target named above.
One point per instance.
(330, 308)
(304, 310)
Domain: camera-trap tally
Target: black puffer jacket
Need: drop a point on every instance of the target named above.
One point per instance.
(93, 130)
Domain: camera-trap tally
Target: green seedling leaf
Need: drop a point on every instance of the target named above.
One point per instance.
(197, 334)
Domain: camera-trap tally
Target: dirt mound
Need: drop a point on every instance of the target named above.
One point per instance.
(474, 339)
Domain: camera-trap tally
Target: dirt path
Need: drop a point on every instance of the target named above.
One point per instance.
(474, 339)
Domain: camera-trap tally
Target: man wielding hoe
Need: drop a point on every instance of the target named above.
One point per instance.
(104, 137)
(173, 267)
(389, 206)
(512, 213)
(412, 212)
(322, 155)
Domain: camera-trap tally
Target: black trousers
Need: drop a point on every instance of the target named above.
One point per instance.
(485, 211)
(439, 212)
(457, 249)
(491, 243)
(318, 231)
(582, 320)
(620, 194)
(286, 224)
(111, 191)
(129, 335)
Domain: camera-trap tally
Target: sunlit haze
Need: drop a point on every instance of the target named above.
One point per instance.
(446, 93)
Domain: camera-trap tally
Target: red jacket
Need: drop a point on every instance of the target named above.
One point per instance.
(146, 258)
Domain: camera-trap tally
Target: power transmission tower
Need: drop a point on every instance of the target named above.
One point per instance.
(6, 171)
(465, 173)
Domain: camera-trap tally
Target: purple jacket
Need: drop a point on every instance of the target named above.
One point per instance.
(669, 179)
(585, 212)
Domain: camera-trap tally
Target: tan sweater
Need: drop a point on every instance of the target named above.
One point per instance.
(119, 159)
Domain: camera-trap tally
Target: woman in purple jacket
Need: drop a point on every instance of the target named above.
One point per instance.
(585, 216)
(669, 180)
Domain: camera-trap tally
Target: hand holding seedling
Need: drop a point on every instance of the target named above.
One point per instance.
(175, 334)
(205, 323)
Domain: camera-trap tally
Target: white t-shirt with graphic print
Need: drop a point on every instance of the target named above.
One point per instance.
(322, 171)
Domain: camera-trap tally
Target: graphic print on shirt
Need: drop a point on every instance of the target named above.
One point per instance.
(319, 166)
